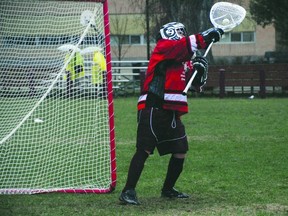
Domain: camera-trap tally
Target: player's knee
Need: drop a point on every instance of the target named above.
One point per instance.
(144, 153)
(148, 152)
(179, 155)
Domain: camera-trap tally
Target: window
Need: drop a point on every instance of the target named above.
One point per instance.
(135, 39)
(30, 41)
(19, 40)
(238, 37)
(152, 39)
(42, 40)
(225, 38)
(127, 39)
(248, 36)
(52, 40)
(90, 40)
(65, 39)
(124, 39)
(48, 41)
(114, 40)
(36, 40)
(235, 37)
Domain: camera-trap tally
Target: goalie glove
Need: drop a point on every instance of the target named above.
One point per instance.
(212, 34)
(201, 65)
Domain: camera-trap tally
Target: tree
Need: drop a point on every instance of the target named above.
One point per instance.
(266, 12)
(194, 14)
(119, 26)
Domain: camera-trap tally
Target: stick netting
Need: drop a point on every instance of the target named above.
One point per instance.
(56, 108)
(226, 15)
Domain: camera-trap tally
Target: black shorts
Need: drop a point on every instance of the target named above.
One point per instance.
(161, 129)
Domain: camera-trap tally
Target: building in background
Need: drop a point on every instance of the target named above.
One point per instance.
(247, 43)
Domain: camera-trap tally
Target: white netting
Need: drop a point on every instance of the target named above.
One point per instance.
(226, 15)
(55, 119)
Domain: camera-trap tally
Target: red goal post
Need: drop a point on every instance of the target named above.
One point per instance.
(110, 107)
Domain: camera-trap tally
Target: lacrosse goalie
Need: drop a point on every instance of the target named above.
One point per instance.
(161, 104)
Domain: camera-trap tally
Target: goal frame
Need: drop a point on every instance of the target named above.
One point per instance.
(113, 167)
(110, 109)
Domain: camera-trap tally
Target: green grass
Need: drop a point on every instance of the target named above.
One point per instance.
(66, 147)
(237, 165)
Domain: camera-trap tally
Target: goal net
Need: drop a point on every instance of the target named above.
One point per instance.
(56, 99)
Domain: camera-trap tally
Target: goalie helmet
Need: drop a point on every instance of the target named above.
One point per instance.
(172, 31)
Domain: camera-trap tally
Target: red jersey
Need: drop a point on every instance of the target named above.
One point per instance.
(178, 54)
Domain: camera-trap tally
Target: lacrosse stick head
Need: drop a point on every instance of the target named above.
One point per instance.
(226, 15)
(87, 17)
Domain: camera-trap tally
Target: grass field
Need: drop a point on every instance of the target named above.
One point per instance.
(237, 165)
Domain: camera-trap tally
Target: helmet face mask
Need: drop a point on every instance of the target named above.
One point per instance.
(173, 31)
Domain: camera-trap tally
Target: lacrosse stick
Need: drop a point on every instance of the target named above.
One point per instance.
(87, 17)
(223, 15)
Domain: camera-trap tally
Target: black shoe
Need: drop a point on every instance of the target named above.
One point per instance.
(129, 197)
(173, 193)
